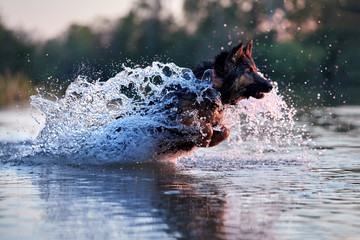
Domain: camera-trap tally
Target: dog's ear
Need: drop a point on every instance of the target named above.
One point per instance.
(238, 52)
(248, 48)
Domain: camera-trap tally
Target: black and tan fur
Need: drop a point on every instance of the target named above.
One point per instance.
(235, 77)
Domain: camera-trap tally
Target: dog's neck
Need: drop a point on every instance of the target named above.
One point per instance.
(216, 81)
(218, 84)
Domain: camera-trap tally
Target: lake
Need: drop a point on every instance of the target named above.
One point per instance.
(309, 193)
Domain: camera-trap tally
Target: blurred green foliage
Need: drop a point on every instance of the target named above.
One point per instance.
(311, 48)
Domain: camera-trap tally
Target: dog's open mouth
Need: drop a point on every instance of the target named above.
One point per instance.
(261, 89)
(259, 95)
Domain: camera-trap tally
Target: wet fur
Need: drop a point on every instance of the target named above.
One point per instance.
(235, 78)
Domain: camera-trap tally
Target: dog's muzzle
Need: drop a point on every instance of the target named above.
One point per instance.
(261, 87)
(265, 87)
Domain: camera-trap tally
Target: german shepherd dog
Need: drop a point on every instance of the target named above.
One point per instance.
(234, 77)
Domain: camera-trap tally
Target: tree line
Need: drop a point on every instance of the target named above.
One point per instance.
(311, 48)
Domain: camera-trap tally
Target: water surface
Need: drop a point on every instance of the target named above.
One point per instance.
(78, 167)
(197, 198)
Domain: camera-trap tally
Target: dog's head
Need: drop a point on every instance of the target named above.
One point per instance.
(236, 75)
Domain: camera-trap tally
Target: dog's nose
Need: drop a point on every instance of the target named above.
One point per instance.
(263, 84)
(269, 86)
(266, 86)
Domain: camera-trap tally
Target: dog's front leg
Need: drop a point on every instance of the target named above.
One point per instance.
(204, 130)
(220, 133)
(207, 132)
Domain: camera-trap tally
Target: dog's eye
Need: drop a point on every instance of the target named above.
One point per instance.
(247, 70)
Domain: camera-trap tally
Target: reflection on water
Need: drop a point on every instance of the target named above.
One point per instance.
(319, 199)
(141, 201)
(150, 201)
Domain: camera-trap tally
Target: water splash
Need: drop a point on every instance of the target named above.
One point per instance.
(118, 120)
(263, 131)
(112, 121)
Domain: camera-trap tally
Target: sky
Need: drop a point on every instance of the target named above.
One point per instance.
(45, 19)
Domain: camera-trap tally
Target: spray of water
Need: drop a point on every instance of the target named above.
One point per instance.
(118, 120)
(262, 132)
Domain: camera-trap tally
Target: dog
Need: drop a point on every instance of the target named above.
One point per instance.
(234, 77)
